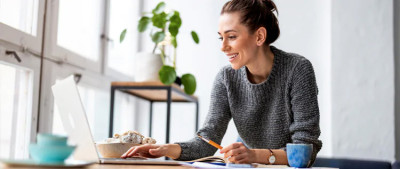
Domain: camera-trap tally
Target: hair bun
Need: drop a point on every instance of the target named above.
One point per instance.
(270, 5)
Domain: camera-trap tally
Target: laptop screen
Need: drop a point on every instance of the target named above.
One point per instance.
(74, 121)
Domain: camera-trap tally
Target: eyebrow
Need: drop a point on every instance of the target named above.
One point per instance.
(227, 31)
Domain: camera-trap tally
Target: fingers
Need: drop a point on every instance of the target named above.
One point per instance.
(147, 151)
(234, 152)
(231, 146)
(233, 149)
(239, 159)
(139, 150)
(128, 152)
(133, 151)
(237, 153)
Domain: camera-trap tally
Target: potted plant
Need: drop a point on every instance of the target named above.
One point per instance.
(164, 31)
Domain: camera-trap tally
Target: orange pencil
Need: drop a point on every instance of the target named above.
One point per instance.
(210, 142)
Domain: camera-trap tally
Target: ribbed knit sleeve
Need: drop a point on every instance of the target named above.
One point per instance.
(215, 125)
(304, 91)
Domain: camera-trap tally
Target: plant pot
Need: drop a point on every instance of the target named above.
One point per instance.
(147, 66)
(178, 81)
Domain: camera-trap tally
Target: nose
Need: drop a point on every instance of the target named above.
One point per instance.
(225, 46)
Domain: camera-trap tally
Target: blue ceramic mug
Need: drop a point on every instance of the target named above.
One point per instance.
(47, 139)
(50, 148)
(299, 155)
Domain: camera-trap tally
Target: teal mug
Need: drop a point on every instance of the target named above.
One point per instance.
(51, 139)
(299, 155)
(50, 148)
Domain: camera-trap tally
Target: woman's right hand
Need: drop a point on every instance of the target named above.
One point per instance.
(147, 151)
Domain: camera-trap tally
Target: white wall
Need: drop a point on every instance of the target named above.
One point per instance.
(362, 79)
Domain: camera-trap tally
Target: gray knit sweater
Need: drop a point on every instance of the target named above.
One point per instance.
(282, 109)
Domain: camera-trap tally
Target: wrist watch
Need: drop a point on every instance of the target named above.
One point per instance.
(271, 158)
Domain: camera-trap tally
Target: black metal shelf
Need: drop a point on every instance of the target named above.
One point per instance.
(153, 92)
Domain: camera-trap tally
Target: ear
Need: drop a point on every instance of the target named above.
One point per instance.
(261, 36)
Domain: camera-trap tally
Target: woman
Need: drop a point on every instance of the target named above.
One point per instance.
(271, 95)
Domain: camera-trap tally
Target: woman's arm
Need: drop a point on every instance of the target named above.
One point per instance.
(154, 151)
(305, 125)
(174, 151)
(262, 156)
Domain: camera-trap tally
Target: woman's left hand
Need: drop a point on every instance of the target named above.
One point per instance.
(238, 153)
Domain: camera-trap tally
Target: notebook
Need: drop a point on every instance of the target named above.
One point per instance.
(73, 117)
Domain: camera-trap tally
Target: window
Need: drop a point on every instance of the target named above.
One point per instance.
(80, 27)
(16, 86)
(75, 34)
(73, 43)
(21, 23)
(124, 14)
(20, 14)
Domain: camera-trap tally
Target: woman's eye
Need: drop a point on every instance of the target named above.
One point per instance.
(220, 38)
(232, 37)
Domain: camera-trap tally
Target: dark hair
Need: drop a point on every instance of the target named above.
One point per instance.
(256, 14)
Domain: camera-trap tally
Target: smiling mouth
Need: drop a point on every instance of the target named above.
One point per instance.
(231, 57)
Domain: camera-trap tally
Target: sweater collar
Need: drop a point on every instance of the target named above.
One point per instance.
(277, 56)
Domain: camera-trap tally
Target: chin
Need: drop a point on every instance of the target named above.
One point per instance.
(236, 67)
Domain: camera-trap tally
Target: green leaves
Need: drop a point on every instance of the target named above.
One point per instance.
(143, 23)
(122, 36)
(176, 19)
(173, 29)
(167, 74)
(161, 24)
(174, 42)
(189, 83)
(195, 37)
(175, 24)
(158, 37)
(159, 20)
(159, 8)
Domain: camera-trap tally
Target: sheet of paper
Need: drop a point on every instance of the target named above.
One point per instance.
(238, 166)
(206, 165)
(211, 166)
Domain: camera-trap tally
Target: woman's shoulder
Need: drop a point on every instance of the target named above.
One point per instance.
(291, 59)
(288, 55)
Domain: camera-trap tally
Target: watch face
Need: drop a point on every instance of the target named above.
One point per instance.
(271, 159)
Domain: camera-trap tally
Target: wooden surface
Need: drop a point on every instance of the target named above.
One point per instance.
(153, 95)
(111, 166)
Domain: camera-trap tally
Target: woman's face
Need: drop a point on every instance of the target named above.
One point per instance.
(237, 43)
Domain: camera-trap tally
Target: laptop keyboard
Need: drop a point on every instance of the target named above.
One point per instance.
(122, 159)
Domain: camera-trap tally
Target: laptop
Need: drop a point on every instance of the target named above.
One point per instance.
(73, 117)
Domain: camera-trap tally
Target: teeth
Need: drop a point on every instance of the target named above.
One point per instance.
(232, 56)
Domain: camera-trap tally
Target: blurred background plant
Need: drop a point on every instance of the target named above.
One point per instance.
(164, 31)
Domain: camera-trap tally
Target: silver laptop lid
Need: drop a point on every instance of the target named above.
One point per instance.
(74, 119)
